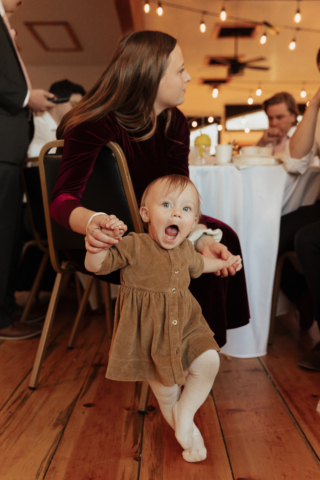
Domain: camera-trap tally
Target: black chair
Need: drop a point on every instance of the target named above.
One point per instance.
(109, 188)
(276, 288)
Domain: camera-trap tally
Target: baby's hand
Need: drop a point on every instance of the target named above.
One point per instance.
(113, 227)
(235, 261)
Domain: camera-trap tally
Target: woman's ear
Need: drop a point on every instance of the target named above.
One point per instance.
(144, 214)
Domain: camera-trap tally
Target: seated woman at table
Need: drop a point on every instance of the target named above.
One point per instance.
(134, 104)
(300, 231)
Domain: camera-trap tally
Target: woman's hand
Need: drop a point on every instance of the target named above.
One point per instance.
(211, 249)
(103, 232)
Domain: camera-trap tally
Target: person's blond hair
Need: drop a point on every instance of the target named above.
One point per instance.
(173, 182)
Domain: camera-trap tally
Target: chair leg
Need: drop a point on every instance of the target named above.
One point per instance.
(35, 287)
(99, 296)
(144, 397)
(275, 295)
(109, 313)
(78, 288)
(81, 310)
(46, 331)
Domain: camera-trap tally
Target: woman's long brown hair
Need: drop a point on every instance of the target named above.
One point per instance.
(128, 86)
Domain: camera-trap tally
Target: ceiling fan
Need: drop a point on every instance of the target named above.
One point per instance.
(235, 66)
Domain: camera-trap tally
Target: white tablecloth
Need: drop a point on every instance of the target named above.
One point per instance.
(250, 201)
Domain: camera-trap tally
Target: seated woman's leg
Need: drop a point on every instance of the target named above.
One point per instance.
(224, 301)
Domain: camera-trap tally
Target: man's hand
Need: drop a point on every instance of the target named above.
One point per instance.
(272, 135)
(38, 100)
(211, 249)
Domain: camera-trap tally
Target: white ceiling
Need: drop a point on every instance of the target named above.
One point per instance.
(97, 27)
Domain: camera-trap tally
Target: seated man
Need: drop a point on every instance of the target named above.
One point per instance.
(45, 126)
(300, 230)
(282, 112)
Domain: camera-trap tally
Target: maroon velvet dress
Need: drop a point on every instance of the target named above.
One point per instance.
(224, 301)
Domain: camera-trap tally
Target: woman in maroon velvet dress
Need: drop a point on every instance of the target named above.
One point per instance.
(134, 104)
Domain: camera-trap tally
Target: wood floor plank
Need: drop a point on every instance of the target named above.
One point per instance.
(263, 442)
(299, 388)
(102, 439)
(161, 457)
(18, 356)
(32, 422)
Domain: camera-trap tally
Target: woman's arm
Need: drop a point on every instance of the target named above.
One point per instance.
(303, 138)
(215, 250)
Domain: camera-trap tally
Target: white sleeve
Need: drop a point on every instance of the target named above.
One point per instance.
(299, 166)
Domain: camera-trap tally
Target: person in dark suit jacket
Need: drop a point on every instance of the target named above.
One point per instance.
(17, 102)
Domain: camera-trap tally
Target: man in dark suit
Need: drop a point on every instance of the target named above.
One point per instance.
(17, 102)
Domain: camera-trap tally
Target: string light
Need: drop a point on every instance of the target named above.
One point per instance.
(308, 103)
(292, 45)
(297, 16)
(203, 27)
(159, 9)
(263, 38)
(219, 127)
(247, 130)
(250, 100)
(194, 124)
(258, 92)
(146, 7)
(210, 119)
(223, 14)
(215, 92)
(303, 93)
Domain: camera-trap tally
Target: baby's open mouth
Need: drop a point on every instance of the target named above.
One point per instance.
(172, 231)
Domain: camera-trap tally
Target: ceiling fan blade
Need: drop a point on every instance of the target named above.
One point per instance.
(253, 67)
(220, 61)
(258, 59)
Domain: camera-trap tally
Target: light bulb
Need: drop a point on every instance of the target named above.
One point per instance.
(210, 119)
(219, 127)
(297, 16)
(263, 38)
(194, 124)
(258, 92)
(292, 45)
(247, 130)
(203, 27)
(159, 9)
(223, 14)
(215, 93)
(147, 7)
(303, 93)
(250, 100)
(308, 103)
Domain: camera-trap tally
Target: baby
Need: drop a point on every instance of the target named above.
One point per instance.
(159, 333)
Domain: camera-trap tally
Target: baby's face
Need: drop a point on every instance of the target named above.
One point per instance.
(171, 216)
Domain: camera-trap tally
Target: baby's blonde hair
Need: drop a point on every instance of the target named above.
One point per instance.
(173, 182)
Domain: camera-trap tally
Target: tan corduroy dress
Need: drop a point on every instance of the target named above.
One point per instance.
(159, 329)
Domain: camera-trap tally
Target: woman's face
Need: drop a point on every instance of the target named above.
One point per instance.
(173, 83)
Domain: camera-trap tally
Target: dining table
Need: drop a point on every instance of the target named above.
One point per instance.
(251, 200)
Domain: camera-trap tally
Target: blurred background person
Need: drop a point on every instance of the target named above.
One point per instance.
(282, 112)
(45, 126)
(17, 102)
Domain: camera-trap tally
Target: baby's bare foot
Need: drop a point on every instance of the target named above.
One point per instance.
(182, 428)
(197, 452)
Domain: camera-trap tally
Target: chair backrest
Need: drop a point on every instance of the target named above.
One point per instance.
(32, 188)
(109, 189)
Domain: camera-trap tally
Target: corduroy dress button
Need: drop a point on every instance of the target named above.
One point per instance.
(174, 290)
(174, 322)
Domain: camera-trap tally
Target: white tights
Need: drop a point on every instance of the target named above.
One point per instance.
(179, 408)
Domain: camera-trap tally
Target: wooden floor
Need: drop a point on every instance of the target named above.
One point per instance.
(260, 423)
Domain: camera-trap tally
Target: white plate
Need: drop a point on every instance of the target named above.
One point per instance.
(254, 160)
